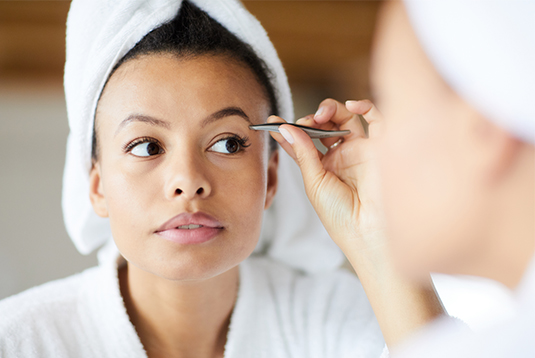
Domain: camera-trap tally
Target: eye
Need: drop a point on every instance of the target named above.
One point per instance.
(229, 145)
(145, 148)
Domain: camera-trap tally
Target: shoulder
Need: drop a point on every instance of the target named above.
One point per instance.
(38, 300)
(450, 337)
(37, 318)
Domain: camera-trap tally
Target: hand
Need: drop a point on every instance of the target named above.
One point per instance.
(344, 188)
(343, 184)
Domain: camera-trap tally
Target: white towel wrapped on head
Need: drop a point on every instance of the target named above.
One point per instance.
(485, 50)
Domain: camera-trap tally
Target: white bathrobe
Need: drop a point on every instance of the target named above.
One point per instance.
(280, 313)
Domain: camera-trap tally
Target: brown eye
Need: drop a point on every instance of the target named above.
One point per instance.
(232, 146)
(153, 149)
(146, 149)
(228, 146)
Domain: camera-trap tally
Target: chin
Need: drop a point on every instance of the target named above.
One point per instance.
(195, 265)
(200, 273)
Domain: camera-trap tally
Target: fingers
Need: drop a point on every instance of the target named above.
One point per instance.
(365, 108)
(335, 112)
(275, 119)
(279, 138)
(309, 122)
(370, 113)
(306, 155)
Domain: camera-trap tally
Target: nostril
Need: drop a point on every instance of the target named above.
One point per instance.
(200, 191)
(178, 191)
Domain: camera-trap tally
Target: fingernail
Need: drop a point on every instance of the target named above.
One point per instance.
(286, 135)
(319, 112)
(351, 102)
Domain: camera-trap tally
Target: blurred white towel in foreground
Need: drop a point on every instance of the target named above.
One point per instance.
(511, 338)
(485, 50)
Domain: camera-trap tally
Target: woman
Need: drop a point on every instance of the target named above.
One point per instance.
(453, 163)
(160, 97)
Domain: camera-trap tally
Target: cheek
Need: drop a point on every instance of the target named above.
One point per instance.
(131, 199)
(429, 206)
(241, 189)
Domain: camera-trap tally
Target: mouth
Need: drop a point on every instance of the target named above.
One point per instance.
(188, 228)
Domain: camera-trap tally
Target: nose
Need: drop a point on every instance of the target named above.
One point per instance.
(187, 180)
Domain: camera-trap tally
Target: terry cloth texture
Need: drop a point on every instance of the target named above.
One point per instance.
(280, 312)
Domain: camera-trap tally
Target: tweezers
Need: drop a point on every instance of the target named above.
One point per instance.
(312, 132)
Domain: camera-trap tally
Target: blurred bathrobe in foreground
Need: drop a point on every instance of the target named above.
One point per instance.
(292, 300)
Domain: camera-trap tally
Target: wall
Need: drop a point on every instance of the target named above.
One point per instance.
(34, 247)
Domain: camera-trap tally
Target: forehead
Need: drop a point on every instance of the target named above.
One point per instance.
(197, 86)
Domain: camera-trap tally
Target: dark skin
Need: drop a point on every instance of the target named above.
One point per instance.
(197, 156)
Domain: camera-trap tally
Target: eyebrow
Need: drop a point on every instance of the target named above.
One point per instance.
(225, 112)
(142, 118)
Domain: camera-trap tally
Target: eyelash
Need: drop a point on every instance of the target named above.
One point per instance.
(243, 142)
(129, 146)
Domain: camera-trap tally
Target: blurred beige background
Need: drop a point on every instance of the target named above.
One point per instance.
(324, 46)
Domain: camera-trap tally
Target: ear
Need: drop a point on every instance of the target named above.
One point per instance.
(272, 178)
(96, 193)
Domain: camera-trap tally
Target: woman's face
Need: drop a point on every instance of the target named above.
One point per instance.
(433, 187)
(181, 177)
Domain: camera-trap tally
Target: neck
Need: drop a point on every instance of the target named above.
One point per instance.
(179, 319)
(507, 262)
(512, 226)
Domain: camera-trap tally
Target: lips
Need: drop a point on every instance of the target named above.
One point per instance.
(189, 228)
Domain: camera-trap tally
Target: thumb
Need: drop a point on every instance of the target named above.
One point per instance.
(306, 156)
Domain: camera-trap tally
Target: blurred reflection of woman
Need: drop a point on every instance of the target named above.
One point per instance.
(448, 176)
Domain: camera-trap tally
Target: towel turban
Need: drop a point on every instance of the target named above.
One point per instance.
(485, 51)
